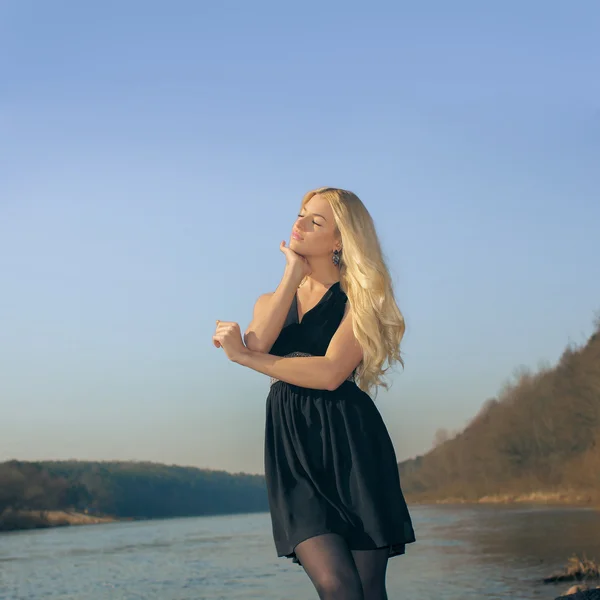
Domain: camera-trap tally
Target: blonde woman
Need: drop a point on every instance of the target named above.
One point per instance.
(326, 336)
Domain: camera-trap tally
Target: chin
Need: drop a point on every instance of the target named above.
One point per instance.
(298, 247)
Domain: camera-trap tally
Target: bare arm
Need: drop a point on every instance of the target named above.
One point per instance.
(271, 309)
(317, 372)
(269, 315)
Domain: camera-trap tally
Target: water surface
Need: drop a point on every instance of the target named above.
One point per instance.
(462, 552)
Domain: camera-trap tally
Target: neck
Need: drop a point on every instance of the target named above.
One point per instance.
(323, 273)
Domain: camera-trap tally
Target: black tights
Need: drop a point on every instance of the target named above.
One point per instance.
(339, 573)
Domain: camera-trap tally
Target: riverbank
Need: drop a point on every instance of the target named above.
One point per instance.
(39, 519)
(558, 498)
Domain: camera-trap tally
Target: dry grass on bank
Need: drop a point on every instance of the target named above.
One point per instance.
(561, 497)
(37, 519)
(577, 569)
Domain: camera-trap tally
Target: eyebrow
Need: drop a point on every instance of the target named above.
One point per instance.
(318, 215)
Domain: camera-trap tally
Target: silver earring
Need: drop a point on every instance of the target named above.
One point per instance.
(336, 257)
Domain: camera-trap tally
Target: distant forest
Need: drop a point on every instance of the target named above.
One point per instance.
(128, 490)
(540, 436)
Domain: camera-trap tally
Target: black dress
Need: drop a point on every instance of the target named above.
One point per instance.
(330, 465)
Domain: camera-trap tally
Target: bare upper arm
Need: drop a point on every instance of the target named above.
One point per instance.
(344, 351)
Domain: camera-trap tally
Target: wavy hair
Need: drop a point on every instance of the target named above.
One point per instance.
(377, 321)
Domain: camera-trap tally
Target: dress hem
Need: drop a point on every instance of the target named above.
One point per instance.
(395, 549)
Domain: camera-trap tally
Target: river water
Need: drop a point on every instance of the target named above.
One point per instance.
(462, 552)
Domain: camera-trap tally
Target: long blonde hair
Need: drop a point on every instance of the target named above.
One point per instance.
(377, 321)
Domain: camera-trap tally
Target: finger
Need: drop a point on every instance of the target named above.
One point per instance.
(216, 341)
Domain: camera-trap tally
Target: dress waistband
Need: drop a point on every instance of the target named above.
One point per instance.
(293, 355)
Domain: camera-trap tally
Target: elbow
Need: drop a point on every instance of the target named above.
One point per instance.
(333, 383)
(258, 348)
(252, 343)
(333, 377)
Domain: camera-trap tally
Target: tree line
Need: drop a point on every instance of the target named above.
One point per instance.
(127, 489)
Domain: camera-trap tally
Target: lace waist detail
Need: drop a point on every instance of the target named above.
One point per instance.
(295, 354)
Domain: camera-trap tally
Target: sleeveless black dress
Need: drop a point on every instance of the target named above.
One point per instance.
(330, 466)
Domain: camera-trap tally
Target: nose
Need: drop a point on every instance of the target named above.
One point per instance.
(300, 223)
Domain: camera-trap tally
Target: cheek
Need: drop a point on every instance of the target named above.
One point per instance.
(323, 239)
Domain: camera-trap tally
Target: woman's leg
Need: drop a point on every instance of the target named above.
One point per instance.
(371, 566)
(329, 564)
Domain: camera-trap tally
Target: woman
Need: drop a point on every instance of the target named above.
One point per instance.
(323, 337)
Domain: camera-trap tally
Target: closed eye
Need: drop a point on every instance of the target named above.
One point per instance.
(317, 224)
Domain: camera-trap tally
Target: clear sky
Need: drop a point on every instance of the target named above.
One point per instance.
(153, 155)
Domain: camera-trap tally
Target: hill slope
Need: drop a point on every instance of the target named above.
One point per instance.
(539, 437)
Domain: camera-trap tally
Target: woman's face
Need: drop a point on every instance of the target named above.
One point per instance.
(314, 232)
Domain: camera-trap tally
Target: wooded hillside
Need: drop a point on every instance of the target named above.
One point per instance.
(541, 435)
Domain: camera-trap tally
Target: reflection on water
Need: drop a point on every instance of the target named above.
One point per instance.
(504, 552)
(461, 552)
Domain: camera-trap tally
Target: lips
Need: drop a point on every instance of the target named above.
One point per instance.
(296, 236)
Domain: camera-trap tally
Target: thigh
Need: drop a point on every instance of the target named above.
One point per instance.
(371, 566)
(328, 562)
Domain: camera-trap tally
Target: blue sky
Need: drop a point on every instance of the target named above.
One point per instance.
(154, 154)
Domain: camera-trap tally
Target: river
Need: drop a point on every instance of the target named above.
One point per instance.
(462, 552)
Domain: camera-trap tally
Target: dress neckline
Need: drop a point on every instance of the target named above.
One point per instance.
(324, 297)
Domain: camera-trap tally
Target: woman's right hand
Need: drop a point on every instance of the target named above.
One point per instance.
(297, 265)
